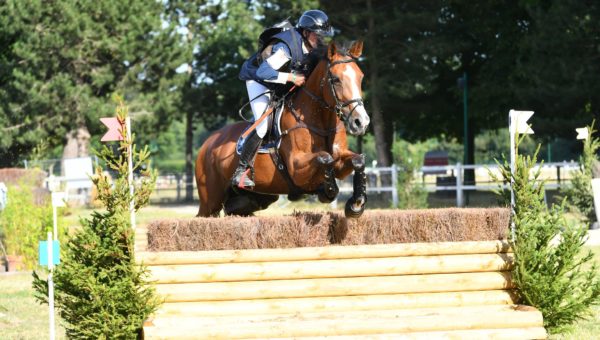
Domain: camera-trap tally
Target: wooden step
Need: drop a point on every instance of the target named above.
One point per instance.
(345, 323)
(258, 271)
(338, 303)
(430, 283)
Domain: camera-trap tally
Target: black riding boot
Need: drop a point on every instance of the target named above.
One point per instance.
(242, 177)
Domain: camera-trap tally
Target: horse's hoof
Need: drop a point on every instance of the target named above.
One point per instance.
(325, 160)
(355, 207)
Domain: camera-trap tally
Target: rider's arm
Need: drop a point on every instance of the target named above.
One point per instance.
(268, 70)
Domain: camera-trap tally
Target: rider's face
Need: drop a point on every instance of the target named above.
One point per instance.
(313, 39)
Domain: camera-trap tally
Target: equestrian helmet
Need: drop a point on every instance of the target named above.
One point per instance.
(316, 21)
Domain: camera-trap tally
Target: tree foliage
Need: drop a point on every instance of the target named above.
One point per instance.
(100, 291)
(551, 271)
(62, 60)
(579, 195)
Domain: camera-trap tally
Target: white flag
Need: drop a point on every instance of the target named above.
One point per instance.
(518, 121)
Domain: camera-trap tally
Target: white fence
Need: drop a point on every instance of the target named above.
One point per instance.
(450, 178)
(555, 175)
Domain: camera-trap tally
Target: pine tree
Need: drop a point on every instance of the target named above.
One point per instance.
(579, 195)
(100, 291)
(61, 61)
(550, 269)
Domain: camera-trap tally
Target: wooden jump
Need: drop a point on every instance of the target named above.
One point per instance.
(414, 291)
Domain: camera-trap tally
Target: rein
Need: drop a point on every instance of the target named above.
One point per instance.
(339, 105)
(325, 133)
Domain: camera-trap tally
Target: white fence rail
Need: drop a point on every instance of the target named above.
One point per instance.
(172, 188)
(555, 175)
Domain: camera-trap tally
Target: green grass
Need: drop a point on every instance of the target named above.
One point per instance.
(21, 316)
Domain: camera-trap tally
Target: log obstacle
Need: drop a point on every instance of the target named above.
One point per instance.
(451, 290)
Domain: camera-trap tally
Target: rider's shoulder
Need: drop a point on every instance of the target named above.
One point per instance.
(280, 46)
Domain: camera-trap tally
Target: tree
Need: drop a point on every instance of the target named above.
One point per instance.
(550, 265)
(219, 37)
(579, 195)
(65, 59)
(101, 292)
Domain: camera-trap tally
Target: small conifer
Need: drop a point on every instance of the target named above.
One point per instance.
(579, 195)
(100, 291)
(550, 271)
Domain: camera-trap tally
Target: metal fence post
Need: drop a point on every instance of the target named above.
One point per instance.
(395, 185)
(178, 179)
(459, 190)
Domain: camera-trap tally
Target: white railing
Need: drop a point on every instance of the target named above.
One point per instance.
(555, 175)
(171, 188)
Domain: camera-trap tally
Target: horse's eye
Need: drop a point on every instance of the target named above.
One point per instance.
(335, 80)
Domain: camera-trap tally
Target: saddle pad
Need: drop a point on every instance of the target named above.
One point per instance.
(272, 138)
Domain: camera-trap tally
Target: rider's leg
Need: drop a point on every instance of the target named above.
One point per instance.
(242, 177)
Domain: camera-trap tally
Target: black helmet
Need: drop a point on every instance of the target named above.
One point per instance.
(316, 21)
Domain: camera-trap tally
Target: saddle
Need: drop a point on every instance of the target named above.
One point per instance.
(272, 139)
(270, 145)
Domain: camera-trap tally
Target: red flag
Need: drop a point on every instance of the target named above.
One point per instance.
(114, 130)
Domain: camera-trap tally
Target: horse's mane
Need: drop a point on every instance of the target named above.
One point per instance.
(320, 53)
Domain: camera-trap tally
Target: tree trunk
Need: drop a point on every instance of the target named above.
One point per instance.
(189, 157)
(381, 142)
(77, 143)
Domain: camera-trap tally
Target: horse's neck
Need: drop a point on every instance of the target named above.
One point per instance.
(313, 112)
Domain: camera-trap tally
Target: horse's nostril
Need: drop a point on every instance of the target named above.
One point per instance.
(357, 123)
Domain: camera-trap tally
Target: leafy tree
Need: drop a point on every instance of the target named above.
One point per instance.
(100, 291)
(219, 37)
(64, 59)
(398, 53)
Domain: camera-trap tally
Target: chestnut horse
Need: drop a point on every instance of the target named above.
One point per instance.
(313, 149)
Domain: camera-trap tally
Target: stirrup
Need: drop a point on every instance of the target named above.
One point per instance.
(243, 180)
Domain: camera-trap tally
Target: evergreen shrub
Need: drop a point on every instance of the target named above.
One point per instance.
(100, 291)
(550, 271)
(579, 195)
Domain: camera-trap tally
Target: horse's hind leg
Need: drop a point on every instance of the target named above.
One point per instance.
(210, 194)
(210, 206)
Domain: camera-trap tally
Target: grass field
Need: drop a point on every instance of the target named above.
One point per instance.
(21, 317)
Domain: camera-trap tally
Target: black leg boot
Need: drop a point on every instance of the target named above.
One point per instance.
(242, 177)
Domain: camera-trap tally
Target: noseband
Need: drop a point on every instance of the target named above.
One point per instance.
(339, 105)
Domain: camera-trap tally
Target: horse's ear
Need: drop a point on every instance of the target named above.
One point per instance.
(356, 49)
(331, 50)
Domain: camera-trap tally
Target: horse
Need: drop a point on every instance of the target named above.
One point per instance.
(313, 150)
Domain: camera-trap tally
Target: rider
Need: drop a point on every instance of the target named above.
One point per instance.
(279, 63)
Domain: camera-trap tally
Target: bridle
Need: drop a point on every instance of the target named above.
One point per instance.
(339, 105)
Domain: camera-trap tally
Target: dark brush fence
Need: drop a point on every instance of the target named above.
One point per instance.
(312, 229)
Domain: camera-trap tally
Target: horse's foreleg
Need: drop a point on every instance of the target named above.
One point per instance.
(306, 167)
(355, 206)
(344, 163)
(329, 191)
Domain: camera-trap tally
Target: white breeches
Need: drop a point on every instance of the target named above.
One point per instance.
(258, 105)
